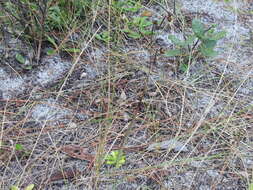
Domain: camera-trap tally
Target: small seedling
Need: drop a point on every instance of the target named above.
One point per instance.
(208, 38)
(22, 150)
(116, 158)
(204, 41)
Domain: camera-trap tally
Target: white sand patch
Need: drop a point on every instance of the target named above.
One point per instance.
(52, 71)
(49, 111)
(211, 7)
(10, 86)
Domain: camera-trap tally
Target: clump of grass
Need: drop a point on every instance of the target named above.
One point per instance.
(46, 20)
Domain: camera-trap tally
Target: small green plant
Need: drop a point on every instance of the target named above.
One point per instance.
(116, 158)
(39, 21)
(127, 6)
(104, 36)
(138, 28)
(65, 13)
(19, 147)
(202, 41)
(29, 187)
(22, 151)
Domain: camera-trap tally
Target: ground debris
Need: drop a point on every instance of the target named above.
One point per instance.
(169, 144)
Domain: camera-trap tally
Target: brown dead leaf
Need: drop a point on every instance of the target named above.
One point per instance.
(147, 13)
(78, 152)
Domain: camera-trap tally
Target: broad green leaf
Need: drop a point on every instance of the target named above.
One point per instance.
(30, 187)
(173, 52)
(198, 28)
(208, 52)
(20, 58)
(181, 43)
(210, 44)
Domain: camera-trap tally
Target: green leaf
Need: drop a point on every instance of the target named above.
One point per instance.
(20, 58)
(51, 52)
(51, 40)
(208, 52)
(134, 35)
(72, 50)
(209, 44)
(99, 37)
(144, 22)
(19, 147)
(183, 67)
(178, 42)
(173, 52)
(33, 7)
(198, 28)
(28, 67)
(14, 187)
(103, 36)
(30, 187)
(251, 186)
